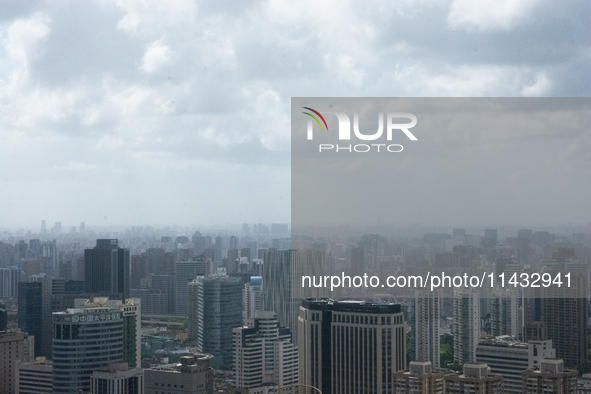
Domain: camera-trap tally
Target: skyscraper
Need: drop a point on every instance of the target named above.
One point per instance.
(564, 310)
(9, 279)
(280, 268)
(425, 324)
(185, 272)
(466, 329)
(14, 345)
(30, 312)
(253, 297)
(86, 338)
(106, 269)
(215, 308)
(264, 354)
(350, 346)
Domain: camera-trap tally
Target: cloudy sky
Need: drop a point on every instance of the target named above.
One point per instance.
(156, 113)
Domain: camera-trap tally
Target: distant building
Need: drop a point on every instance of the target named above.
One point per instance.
(475, 379)
(425, 325)
(253, 297)
(466, 328)
(193, 376)
(264, 354)
(187, 271)
(215, 308)
(551, 378)
(505, 311)
(30, 312)
(564, 310)
(350, 346)
(106, 269)
(35, 377)
(419, 379)
(14, 345)
(508, 358)
(118, 379)
(9, 279)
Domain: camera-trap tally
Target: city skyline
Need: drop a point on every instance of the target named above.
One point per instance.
(131, 113)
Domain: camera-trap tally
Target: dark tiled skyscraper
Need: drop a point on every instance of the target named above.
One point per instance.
(30, 309)
(106, 269)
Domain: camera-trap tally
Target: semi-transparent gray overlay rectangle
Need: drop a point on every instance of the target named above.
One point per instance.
(477, 195)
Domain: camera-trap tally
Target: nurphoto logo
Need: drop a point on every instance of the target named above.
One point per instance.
(344, 132)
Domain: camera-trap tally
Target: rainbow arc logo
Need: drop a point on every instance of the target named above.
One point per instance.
(315, 118)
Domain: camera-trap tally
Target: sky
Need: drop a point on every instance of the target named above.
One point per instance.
(162, 113)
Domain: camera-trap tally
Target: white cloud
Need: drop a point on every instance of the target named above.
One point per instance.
(486, 15)
(155, 57)
(23, 34)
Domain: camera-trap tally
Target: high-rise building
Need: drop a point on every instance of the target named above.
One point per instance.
(166, 284)
(215, 308)
(9, 279)
(106, 269)
(264, 354)
(132, 334)
(30, 312)
(49, 256)
(551, 378)
(35, 377)
(118, 379)
(506, 313)
(476, 379)
(419, 379)
(466, 326)
(280, 267)
(508, 358)
(90, 337)
(193, 376)
(564, 310)
(490, 238)
(14, 345)
(350, 346)
(253, 297)
(357, 261)
(425, 325)
(187, 271)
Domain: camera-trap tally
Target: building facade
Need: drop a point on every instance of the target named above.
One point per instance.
(475, 379)
(89, 338)
(193, 376)
(215, 308)
(35, 377)
(106, 269)
(551, 378)
(118, 378)
(264, 354)
(419, 379)
(350, 346)
(14, 345)
(425, 326)
(508, 358)
(466, 326)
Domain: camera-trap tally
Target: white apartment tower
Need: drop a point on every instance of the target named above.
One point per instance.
(264, 353)
(427, 313)
(466, 328)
